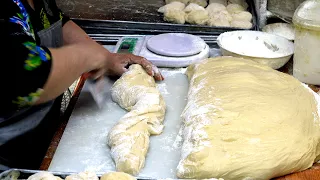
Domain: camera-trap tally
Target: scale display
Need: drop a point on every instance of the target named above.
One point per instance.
(127, 46)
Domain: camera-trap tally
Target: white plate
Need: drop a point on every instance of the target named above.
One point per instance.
(176, 44)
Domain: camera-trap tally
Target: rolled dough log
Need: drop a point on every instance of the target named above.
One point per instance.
(136, 92)
(242, 16)
(235, 8)
(175, 16)
(172, 6)
(243, 3)
(43, 176)
(117, 176)
(215, 7)
(244, 120)
(88, 175)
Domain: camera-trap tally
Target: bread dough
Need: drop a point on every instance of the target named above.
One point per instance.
(175, 16)
(215, 7)
(117, 176)
(243, 3)
(223, 15)
(241, 24)
(87, 175)
(235, 8)
(43, 176)
(193, 7)
(183, 1)
(199, 17)
(136, 92)
(172, 6)
(202, 3)
(219, 22)
(244, 120)
(242, 16)
(223, 2)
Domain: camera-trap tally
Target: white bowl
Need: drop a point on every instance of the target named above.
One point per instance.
(271, 50)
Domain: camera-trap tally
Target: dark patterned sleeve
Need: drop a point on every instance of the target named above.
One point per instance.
(28, 64)
(63, 17)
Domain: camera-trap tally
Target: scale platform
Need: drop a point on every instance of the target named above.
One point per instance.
(166, 50)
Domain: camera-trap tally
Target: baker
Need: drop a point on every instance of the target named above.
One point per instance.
(45, 52)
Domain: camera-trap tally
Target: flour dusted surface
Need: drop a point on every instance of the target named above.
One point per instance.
(245, 120)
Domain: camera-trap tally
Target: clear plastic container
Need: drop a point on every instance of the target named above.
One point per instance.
(306, 65)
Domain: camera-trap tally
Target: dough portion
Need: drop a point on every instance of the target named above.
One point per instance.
(202, 3)
(243, 3)
(241, 24)
(242, 16)
(193, 7)
(43, 176)
(87, 175)
(136, 92)
(199, 17)
(215, 8)
(183, 1)
(175, 16)
(172, 6)
(244, 120)
(117, 176)
(235, 8)
(223, 2)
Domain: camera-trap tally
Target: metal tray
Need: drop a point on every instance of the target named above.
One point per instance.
(96, 26)
(25, 173)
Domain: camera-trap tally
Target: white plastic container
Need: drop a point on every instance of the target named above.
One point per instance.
(306, 59)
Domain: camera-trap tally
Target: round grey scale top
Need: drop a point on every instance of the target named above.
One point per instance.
(176, 44)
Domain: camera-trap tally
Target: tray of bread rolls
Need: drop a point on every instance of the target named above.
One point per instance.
(234, 14)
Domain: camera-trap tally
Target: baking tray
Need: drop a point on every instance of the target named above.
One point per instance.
(118, 25)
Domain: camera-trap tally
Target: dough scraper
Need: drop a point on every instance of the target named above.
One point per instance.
(99, 90)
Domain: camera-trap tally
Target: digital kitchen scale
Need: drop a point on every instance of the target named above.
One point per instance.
(166, 50)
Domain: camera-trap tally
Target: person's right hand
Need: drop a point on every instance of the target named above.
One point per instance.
(106, 63)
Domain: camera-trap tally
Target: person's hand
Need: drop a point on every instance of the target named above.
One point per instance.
(116, 64)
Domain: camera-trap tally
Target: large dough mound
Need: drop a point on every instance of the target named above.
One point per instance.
(246, 120)
(136, 92)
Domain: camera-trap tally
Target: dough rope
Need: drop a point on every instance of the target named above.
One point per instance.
(136, 92)
(246, 120)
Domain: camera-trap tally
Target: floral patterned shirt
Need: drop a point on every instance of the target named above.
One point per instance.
(26, 65)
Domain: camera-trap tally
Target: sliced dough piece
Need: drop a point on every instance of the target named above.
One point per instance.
(172, 6)
(183, 1)
(117, 176)
(241, 24)
(235, 8)
(244, 120)
(202, 3)
(215, 7)
(136, 92)
(199, 17)
(242, 16)
(223, 2)
(193, 7)
(243, 3)
(175, 16)
(43, 176)
(87, 175)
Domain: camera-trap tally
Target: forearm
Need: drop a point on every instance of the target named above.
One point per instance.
(68, 63)
(73, 34)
